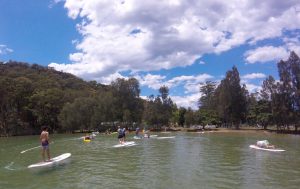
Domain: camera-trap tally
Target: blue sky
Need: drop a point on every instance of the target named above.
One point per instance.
(177, 43)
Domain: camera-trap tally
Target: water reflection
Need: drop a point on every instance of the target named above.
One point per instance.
(190, 160)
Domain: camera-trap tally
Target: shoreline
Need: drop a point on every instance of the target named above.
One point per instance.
(189, 130)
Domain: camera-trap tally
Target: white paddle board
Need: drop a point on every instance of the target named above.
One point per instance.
(53, 161)
(266, 149)
(151, 136)
(126, 144)
(165, 137)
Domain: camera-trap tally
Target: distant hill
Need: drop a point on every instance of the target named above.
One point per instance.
(42, 77)
(32, 95)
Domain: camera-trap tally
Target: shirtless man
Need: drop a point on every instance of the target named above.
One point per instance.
(45, 143)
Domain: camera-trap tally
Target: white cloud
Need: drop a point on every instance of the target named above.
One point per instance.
(252, 88)
(293, 43)
(170, 33)
(254, 76)
(54, 2)
(190, 83)
(151, 81)
(4, 49)
(266, 54)
(187, 101)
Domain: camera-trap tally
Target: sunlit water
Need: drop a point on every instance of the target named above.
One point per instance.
(190, 160)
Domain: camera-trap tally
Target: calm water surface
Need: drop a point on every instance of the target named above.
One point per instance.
(190, 160)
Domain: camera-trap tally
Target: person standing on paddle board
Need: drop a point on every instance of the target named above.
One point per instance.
(124, 134)
(44, 137)
(120, 135)
(137, 132)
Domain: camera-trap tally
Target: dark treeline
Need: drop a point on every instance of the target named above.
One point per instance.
(32, 96)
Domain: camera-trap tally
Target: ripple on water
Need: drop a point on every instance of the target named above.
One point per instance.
(187, 161)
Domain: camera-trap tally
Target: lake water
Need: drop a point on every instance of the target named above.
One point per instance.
(190, 160)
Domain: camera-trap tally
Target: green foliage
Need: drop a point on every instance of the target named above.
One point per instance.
(78, 115)
(207, 99)
(287, 99)
(32, 96)
(207, 117)
(159, 110)
(231, 99)
(181, 120)
(189, 117)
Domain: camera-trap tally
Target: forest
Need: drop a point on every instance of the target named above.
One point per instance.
(33, 96)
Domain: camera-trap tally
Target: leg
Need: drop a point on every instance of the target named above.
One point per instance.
(48, 154)
(43, 153)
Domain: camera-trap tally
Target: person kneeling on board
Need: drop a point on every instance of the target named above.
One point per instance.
(264, 144)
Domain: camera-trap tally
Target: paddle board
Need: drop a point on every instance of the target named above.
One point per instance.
(165, 137)
(136, 137)
(151, 136)
(126, 144)
(266, 149)
(53, 161)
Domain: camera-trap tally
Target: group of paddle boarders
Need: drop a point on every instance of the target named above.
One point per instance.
(44, 139)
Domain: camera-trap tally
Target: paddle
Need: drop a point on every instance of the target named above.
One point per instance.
(32, 148)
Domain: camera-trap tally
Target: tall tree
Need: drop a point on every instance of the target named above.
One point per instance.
(189, 117)
(288, 97)
(129, 104)
(167, 104)
(207, 91)
(231, 99)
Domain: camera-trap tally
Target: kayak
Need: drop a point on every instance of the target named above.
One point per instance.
(266, 149)
(86, 140)
(54, 161)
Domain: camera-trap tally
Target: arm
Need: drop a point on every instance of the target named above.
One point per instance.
(47, 137)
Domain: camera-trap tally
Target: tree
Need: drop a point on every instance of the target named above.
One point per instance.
(189, 117)
(181, 120)
(207, 117)
(78, 115)
(266, 107)
(158, 110)
(231, 99)
(130, 106)
(8, 108)
(46, 106)
(166, 106)
(288, 96)
(105, 110)
(207, 91)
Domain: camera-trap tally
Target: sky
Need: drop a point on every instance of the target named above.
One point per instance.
(176, 43)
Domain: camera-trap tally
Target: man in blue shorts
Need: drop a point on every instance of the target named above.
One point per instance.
(44, 137)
